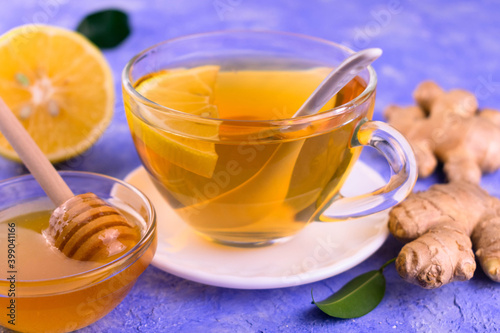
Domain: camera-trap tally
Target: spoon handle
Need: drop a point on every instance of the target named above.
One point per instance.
(36, 162)
(337, 79)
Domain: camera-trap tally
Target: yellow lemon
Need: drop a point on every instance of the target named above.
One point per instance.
(59, 85)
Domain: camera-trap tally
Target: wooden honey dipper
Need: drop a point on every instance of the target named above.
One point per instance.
(83, 227)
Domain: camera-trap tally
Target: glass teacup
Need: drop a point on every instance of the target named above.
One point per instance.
(210, 118)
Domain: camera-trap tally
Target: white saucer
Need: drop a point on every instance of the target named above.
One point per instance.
(319, 251)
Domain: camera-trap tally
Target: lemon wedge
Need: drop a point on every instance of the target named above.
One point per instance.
(183, 142)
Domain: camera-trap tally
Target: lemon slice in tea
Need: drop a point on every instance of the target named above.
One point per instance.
(189, 91)
(60, 87)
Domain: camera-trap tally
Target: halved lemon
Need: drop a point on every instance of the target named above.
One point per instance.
(59, 86)
(185, 143)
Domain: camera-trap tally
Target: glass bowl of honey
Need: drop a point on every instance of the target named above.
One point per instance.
(42, 290)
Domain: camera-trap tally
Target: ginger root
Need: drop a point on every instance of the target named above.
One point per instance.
(446, 126)
(442, 223)
(439, 223)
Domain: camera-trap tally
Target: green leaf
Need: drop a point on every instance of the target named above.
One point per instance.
(106, 28)
(358, 297)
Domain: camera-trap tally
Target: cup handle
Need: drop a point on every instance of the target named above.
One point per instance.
(398, 152)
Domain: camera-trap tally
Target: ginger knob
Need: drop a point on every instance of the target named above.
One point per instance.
(447, 127)
(441, 227)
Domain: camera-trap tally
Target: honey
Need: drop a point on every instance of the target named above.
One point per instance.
(45, 291)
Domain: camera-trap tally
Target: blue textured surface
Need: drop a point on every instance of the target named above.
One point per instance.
(454, 42)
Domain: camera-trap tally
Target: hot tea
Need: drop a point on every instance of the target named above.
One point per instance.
(242, 183)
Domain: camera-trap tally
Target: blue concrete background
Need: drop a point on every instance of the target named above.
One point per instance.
(456, 43)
